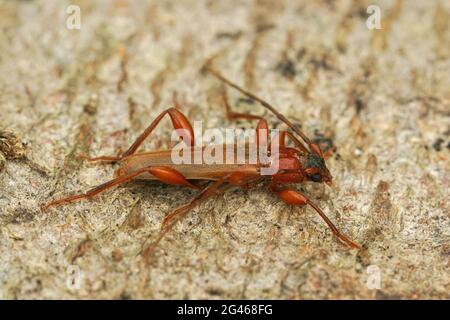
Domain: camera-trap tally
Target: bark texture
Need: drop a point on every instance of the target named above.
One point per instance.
(380, 97)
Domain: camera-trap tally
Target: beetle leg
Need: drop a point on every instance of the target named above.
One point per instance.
(286, 134)
(312, 146)
(164, 174)
(171, 176)
(231, 115)
(170, 219)
(96, 190)
(262, 124)
(261, 139)
(294, 197)
(242, 180)
(179, 122)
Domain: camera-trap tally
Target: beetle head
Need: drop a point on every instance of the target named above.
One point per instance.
(316, 169)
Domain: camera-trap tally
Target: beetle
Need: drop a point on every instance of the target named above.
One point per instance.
(299, 164)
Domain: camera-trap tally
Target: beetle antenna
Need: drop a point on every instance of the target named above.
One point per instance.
(313, 147)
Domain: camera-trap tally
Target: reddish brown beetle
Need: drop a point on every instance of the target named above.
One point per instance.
(304, 162)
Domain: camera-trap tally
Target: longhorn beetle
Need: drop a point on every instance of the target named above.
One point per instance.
(304, 162)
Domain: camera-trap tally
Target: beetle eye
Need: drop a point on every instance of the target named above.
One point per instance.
(316, 177)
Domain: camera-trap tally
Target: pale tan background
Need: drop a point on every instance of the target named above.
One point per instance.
(382, 96)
